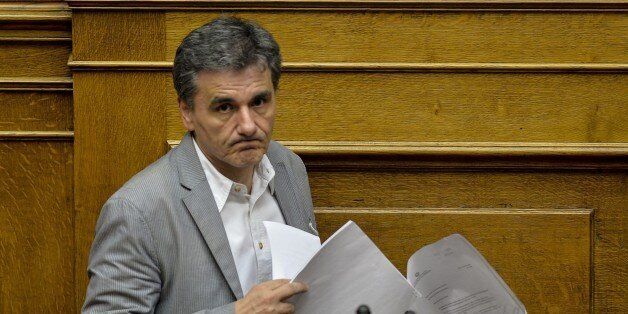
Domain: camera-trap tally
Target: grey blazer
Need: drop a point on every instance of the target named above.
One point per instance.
(160, 245)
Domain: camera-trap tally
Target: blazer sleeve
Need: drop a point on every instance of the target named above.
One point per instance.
(124, 275)
(225, 309)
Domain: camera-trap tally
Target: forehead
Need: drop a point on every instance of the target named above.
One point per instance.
(251, 79)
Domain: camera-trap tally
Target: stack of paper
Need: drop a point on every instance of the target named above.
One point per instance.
(348, 270)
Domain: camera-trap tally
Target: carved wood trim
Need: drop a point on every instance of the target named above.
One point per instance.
(34, 12)
(35, 22)
(457, 155)
(449, 210)
(357, 5)
(455, 148)
(36, 83)
(36, 39)
(37, 135)
(456, 67)
(373, 67)
(120, 65)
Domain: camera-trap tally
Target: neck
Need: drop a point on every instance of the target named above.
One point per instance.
(239, 175)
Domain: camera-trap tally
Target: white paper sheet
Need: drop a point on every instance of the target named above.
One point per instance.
(348, 271)
(291, 249)
(453, 276)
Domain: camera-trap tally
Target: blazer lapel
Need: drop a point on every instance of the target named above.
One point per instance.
(294, 214)
(202, 206)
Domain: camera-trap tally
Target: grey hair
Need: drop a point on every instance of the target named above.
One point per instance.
(224, 44)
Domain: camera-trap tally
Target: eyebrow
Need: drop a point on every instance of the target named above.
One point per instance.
(265, 94)
(221, 100)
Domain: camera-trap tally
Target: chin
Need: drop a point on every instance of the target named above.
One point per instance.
(249, 158)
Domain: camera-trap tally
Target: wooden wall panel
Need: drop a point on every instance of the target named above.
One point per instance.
(334, 36)
(603, 191)
(120, 126)
(35, 23)
(36, 219)
(474, 107)
(135, 36)
(36, 206)
(27, 34)
(119, 118)
(35, 111)
(544, 256)
(34, 59)
(564, 83)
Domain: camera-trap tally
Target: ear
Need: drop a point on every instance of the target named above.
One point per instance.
(186, 115)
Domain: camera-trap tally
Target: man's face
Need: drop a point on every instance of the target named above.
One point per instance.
(233, 116)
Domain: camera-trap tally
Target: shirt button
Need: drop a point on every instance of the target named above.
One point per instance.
(237, 188)
(261, 246)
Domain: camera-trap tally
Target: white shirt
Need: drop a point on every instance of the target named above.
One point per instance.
(242, 215)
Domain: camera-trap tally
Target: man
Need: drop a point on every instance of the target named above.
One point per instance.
(185, 234)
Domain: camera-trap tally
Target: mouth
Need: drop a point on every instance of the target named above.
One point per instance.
(247, 144)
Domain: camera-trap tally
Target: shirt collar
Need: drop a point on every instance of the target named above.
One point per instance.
(221, 185)
(266, 172)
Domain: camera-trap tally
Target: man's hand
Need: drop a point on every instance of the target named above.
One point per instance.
(268, 297)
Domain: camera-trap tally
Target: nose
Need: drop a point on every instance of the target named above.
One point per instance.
(246, 125)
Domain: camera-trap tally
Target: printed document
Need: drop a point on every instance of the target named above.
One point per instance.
(348, 270)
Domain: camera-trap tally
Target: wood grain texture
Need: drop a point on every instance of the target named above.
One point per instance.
(403, 156)
(40, 84)
(544, 256)
(477, 156)
(360, 5)
(136, 36)
(36, 175)
(335, 89)
(36, 135)
(450, 107)
(466, 67)
(36, 237)
(35, 111)
(603, 191)
(35, 32)
(34, 60)
(487, 149)
(442, 37)
(28, 22)
(120, 129)
(378, 67)
(23, 11)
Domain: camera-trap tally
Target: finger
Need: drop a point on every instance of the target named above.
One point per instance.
(290, 289)
(274, 284)
(285, 308)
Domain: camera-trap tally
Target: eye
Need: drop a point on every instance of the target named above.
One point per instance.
(224, 108)
(258, 102)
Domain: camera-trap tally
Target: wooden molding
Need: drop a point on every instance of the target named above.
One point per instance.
(35, 22)
(457, 155)
(66, 39)
(372, 67)
(119, 65)
(36, 83)
(457, 148)
(37, 135)
(357, 5)
(459, 211)
(455, 67)
(34, 12)
(495, 149)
